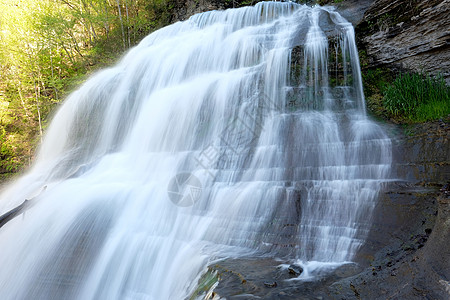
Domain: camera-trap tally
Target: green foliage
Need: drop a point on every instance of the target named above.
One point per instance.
(417, 97)
(48, 47)
(404, 98)
(205, 284)
(8, 161)
(375, 80)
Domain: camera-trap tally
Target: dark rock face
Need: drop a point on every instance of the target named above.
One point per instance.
(352, 10)
(411, 228)
(406, 255)
(411, 35)
(183, 9)
(418, 269)
(402, 34)
(407, 208)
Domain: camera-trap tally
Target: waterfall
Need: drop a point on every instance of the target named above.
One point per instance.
(238, 132)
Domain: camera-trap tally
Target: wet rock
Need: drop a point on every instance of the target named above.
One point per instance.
(446, 190)
(347, 270)
(414, 262)
(270, 284)
(352, 10)
(406, 253)
(295, 270)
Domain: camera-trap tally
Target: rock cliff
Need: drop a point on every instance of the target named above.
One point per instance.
(408, 34)
(406, 255)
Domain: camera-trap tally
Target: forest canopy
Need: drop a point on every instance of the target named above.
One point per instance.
(47, 47)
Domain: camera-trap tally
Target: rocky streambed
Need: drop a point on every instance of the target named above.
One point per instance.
(407, 252)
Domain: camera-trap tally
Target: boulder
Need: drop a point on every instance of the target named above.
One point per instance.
(295, 270)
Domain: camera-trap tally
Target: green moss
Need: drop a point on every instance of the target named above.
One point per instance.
(205, 285)
(374, 81)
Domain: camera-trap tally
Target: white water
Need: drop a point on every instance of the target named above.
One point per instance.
(288, 165)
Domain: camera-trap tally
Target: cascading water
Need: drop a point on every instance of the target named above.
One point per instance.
(220, 136)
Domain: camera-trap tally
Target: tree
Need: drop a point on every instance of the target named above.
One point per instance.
(48, 46)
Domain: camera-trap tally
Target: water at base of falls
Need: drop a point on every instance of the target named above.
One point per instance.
(238, 132)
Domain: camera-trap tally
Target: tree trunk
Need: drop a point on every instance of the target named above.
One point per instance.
(128, 24)
(37, 92)
(121, 24)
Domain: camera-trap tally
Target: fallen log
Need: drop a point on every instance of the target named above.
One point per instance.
(8, 216)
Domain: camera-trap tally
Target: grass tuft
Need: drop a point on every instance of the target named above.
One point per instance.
(417, 97)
